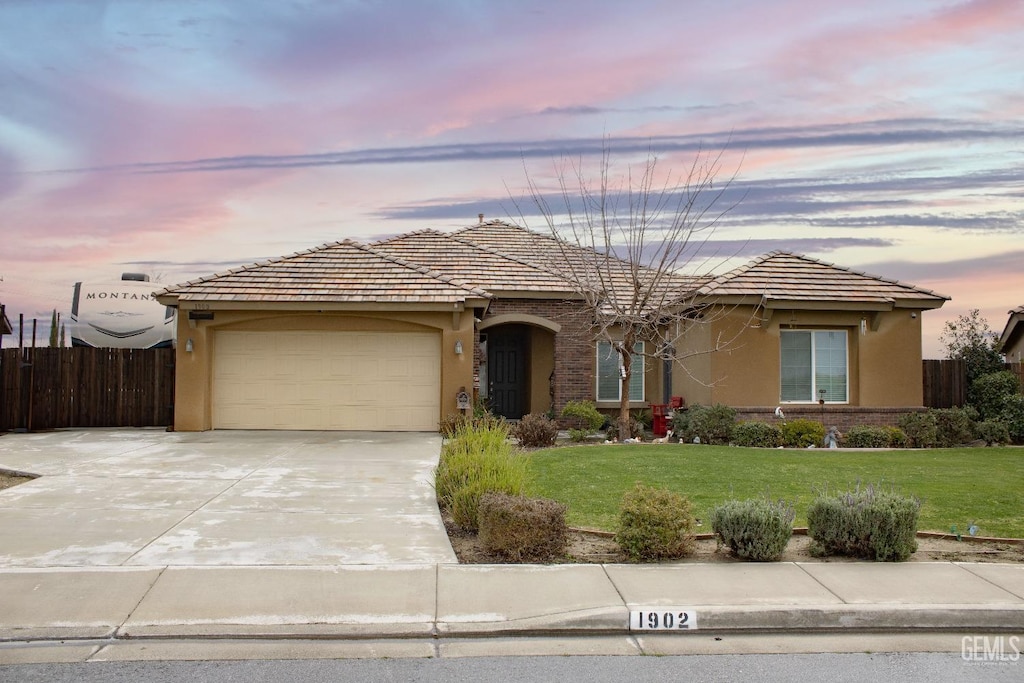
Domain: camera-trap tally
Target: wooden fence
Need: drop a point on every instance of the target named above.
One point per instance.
(50, 388)
(945, 382)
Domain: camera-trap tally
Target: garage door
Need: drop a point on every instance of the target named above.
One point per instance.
(327, 380)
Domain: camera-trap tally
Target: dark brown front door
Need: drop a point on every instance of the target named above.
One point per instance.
(506, 364)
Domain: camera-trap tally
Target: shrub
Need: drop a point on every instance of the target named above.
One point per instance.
(920, 429)
(523, 529)
(754, 529)
(713, 424)
(645, 418)
(655, 524)
(578, 435)
(1012, 415)
(866, 437)
(584, 414)
(954, 426)
(802, 433)
(757, 435)
(535, 431)
(871, 523)
(989, 392)
(993, 432)
(897, 439)
(473, 462)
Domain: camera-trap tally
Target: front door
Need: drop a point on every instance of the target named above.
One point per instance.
(506, 365)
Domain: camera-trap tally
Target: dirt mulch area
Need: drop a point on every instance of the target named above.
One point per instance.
(599, 548)
(9, 479)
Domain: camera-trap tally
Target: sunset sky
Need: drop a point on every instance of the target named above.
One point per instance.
(185, 138)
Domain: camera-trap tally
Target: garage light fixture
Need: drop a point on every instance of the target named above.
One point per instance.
(188, 345)
(458, 347)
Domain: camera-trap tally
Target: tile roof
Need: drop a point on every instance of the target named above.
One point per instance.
(478, 265)
(785, 276)
(495, 258)
(567, 261)
(341, 272)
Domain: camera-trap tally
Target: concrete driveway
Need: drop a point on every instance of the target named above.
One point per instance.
(146, 497)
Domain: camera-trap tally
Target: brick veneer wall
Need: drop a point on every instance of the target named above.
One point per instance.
(574, 346)
(842, 417)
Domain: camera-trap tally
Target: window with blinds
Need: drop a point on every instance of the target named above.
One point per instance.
(609, 369)
(813, 366)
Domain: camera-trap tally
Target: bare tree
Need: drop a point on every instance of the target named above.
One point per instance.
(625, 243)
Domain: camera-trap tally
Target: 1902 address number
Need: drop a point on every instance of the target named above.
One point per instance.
(663, 619)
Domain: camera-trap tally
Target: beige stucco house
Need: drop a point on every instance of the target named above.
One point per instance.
(387, 336)
(1012, 339)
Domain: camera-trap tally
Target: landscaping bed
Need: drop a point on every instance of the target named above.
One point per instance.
(589, 547)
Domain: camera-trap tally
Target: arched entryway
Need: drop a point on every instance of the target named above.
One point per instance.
(517, 364)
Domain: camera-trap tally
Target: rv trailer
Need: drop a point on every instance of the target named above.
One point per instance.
(121, 314)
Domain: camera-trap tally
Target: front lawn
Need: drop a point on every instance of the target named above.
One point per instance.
(957, 486)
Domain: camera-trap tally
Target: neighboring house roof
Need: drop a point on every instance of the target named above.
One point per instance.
(342, 273)
(794, 280)
(5, 323)
(477, 265)
(1014, 329)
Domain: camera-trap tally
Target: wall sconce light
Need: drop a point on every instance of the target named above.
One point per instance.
(863, 325)
(458, 347)
(188, 345)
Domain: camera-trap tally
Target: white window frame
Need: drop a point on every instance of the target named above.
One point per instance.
(813, 399)
(638, 368)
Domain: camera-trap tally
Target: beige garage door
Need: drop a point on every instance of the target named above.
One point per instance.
(327, 380)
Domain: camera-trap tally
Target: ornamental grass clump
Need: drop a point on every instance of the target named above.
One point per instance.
(523, 529)
(655, 524)
(870, 523)
(475, 461)
(757, 530)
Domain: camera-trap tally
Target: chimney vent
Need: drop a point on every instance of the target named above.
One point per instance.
(481, 217)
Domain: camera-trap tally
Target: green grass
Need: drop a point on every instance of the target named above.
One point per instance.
(957, 486)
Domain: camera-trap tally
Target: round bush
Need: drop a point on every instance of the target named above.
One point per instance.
(920, 429)
(583, 414)
(757, 435)
(655, 524)
(863, 436)
(756, 530)
(802, 433)
(535, 431)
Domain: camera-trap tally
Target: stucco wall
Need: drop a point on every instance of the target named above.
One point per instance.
(884, 360)
(192, 405)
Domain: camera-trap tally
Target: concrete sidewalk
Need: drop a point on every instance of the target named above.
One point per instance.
(448, 600)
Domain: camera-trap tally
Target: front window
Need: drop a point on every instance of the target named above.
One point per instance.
(814, 366)
(609, 369)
